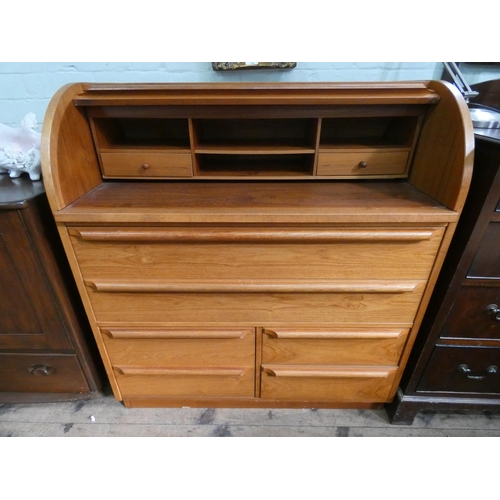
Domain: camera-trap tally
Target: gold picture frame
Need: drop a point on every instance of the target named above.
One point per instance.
(227, 66)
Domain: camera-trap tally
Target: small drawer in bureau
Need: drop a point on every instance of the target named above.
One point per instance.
(58, 373)
(462, 370)
(146, 164)
(475, 314)
(163, 362)
(339, 383)
(363, 163)
(322, 346)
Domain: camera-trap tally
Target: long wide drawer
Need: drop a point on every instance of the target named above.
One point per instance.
(256, 303)
(323, 346)
(220, 253)
(327, 383)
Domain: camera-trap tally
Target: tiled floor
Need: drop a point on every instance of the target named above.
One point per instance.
(104, 416)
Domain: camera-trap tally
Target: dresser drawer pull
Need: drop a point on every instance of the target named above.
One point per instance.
(362, 164)
(491, 370)
(254, 286)
(333, 334)
(42, 370)
(254, 235)
(301, 371)
(494, 310)
(177, 334)
(139, 370)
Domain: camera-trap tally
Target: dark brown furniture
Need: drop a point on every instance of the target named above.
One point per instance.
(455, 364)
(46, 349)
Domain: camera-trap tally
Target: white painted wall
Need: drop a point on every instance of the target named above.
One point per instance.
(28, 86)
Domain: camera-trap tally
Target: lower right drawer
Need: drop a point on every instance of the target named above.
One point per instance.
(339, 383)
(330, 364)
(462, 369)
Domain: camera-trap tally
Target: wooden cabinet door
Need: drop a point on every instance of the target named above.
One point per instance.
(28, 316)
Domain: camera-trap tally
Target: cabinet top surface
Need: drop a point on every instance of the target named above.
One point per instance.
(15, 193)
(256, 93)
(255, 201)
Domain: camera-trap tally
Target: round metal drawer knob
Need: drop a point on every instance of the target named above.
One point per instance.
(41, 370)
(362, 164)
(144, 166)
(493, 310)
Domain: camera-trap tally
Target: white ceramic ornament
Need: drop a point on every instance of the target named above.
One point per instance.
(20, 149)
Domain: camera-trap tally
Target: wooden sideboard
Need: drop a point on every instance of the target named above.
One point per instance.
(256, 245)
(455, 364)
(47, 351)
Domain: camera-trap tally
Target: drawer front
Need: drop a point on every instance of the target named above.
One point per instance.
(180, 347)
(327, 383)
(475, 314)
(463, 370)
(223, 253)
(162, 362)
(486, 262)
(136, 381)
(41, 373)
(323, 346)
(146, 164)
(363, 163)
(363, 306)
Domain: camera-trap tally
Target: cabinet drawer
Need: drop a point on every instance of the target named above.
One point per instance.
(180, 347)
(139, 381)
(462, 369)
(363, 163)
(218, 253)
(162, 362)
(327, 383)
(322, 346)
(473, 315)
(41, 373)
(379, 303)
(146, 164)
(486, 262)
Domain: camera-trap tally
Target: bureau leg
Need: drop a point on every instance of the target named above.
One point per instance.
(401, 412)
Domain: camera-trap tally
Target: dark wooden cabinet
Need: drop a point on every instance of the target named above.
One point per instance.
(47, 352)
(455, 364)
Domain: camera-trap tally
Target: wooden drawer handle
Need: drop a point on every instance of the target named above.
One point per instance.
(305, 371)
(465, 370)
(254, 286)
(220, 372)
(362, 164)
(217, 334)
(254, 235)
(334, 334)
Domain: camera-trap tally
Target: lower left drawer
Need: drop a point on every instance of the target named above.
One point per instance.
(59, 373)
(163, 362)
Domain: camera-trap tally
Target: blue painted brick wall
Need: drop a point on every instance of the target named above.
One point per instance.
(28, 87)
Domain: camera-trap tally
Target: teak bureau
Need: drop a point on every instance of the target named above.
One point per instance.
(256, 245)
